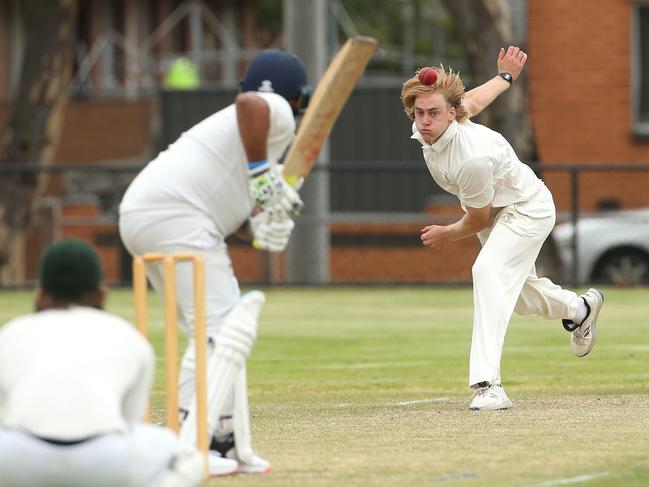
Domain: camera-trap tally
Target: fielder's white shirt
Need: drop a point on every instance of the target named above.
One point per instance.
(206, 168)
(479, 166)
(72, 373)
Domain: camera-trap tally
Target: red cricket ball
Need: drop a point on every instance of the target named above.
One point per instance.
(427, 76)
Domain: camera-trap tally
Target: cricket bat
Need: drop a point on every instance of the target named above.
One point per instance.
(331, 94)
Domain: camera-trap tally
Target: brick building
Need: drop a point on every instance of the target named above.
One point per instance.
(589, 96)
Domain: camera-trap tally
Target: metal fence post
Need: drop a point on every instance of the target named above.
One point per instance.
(574, 180)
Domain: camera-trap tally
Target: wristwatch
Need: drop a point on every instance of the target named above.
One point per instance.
(507, 77)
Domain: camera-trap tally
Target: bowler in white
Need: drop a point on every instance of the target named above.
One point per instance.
(509, 209)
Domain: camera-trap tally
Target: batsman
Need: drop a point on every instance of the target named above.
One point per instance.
(219, 178)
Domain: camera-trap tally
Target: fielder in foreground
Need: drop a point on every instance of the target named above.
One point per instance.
(74, 383)
(506, 206)
(218, 176)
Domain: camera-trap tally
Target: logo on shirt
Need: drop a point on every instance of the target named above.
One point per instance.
(506, 218)
(446, 178)
(266, 86)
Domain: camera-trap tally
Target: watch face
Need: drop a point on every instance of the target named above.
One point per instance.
(506, 77)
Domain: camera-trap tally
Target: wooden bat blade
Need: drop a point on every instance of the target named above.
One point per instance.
(327, 102)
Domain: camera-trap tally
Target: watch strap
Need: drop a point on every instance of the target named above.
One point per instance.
(506, 76)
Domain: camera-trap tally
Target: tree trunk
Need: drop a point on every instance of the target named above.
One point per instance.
(35, 121)
(485, 26)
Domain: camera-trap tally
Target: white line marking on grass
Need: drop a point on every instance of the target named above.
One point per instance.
(455, 476)
(634, 347)
(371, 365)
(404, 403)
(572, 480)
(421, 401)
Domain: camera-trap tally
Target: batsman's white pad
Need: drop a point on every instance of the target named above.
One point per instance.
(229, 356)
(236, 421)
(241, 418)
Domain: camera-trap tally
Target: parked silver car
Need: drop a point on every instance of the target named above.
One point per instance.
(613, 247)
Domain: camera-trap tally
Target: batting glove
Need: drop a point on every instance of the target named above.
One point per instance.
(270, 233)
(273, 193)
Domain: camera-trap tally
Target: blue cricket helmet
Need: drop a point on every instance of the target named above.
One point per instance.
(277, 71)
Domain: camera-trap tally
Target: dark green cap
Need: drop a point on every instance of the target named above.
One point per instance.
(69, 269)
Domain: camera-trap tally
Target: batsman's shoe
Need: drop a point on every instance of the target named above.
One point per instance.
(489, 397)
(583, 337)
(224, 446)
(217, 465)
(255, 464)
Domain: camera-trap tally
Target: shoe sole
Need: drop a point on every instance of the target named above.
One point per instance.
(593, 324)
(503, 408)
(255, 472)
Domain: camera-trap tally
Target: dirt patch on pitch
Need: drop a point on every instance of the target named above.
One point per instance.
(433, 442)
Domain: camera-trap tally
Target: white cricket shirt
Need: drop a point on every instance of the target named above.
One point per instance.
(68, 374)
(206, 168)
(479, 166)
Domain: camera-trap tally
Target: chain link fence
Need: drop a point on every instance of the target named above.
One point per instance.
(372, 228)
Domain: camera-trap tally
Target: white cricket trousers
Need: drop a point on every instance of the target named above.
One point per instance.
(139, 458)
(505, 280)
(185, 231)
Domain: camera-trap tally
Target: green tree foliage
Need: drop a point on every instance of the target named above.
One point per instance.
(412, 33)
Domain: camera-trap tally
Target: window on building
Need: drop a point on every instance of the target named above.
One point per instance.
(640, 69)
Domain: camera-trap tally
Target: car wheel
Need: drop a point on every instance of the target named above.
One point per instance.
(623, 267)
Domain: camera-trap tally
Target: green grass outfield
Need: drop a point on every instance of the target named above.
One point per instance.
(353, 386)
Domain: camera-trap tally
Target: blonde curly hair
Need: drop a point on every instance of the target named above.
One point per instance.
(448, 83)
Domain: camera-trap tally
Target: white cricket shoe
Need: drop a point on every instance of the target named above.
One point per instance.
(217, 465)
(583, 338)
(223, 446)
(255, 464)
(490, 397)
